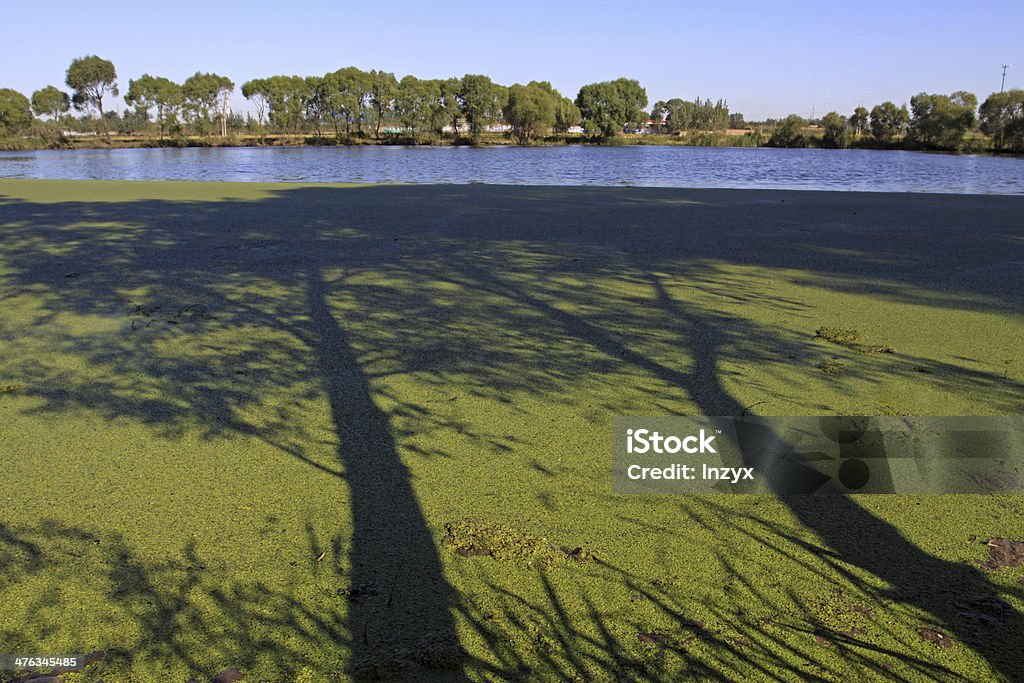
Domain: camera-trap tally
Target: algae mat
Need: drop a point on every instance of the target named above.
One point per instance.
(321, 432)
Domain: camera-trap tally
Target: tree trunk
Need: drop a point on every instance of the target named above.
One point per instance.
(103, 121)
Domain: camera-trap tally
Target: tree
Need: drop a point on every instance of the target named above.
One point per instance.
(289, 99)
(133, 122)
(314, 104)
(940, 121)
(207, 99)
(15, 112)
(51, 102)
(736, 121)
(482, 101)
(343, 94)
(1002, 117)
(451, 103)
(531, 109)
(383, 86)
(92, 78)
(789, 132)
(608, 106)
(859, 122)
(257, 92)
(658, 112)
(835, 127)
(155, 92)
(567, 115)
(888, 122)
(682, 116)
(418, 105)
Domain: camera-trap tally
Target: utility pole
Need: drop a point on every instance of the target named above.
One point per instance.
(1003, 83)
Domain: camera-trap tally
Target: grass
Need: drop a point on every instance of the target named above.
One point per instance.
(317, 432)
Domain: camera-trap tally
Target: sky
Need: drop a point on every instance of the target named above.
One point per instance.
(766, 59)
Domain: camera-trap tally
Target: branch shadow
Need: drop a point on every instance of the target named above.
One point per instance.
(235, 316)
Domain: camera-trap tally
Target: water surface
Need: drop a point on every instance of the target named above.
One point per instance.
(646, 166)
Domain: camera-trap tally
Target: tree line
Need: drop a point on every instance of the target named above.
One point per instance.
(933, 121)
(351, 104)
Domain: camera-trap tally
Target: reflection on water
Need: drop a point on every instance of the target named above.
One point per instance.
(649, 166)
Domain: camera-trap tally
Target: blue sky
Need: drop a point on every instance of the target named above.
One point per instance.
(765, 58)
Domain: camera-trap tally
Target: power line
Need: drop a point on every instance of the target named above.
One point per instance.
(1002, 84)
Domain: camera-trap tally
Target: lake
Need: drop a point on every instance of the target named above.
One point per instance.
(647, 166)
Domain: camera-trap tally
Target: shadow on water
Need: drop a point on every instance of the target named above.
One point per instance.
(337, 291)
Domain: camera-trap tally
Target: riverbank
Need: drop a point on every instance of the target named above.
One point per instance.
(311, 430)
(975, 144)
(99, 141)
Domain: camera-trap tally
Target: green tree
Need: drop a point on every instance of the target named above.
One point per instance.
(344, 93)
(789, 132)
(835, 130)
(418, 106)
(608, 106)
(257, 92)
(940, 121)
(133, 122)
(736, 121)
(15, 112)
(482, 101)
(382, 90)
(155, 92)
(859, 122)
(288, 100)
(91, 78)
(679, 116)
(451, 103)
(50, 101)
(312, 96)
(696, 115)
(888, 122)
(1002, 117)
(531, 109)
(659, 111)
(206, 98)
(567, 115)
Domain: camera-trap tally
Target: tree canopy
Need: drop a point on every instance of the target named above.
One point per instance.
(888, 122)
(789, 132)
(835, 130)
(343, 95)
(940, 121)
(608, 106)
(531, 109)
(481, 102)
(382, 91)
(15, 112)
(859, 122)
(376, 104)
(681, 115)
(206, 98)
(155, 92)
(50, 101)
(92, 78)
(418, 105)
(1002, 116)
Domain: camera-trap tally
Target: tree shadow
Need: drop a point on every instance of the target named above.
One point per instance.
(237, 316)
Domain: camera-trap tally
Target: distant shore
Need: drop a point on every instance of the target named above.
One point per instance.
(729, 138)
(99, 141)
